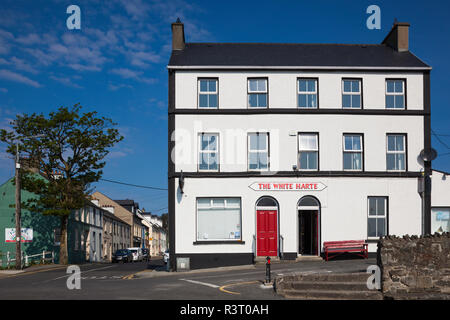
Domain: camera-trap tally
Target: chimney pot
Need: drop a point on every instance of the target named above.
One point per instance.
(398, 37)
(178, 42)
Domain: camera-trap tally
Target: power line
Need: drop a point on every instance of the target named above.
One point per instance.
(439, 139)
(159, 209)
(135, 185)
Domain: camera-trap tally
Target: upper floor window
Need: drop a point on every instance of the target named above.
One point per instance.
(257, 93)
(308, 151)
(307, 93)
(351, 93)
(208, 93)
(258, 151)
(208, 156)
(396, 154)
(353, 152)
(395, 94)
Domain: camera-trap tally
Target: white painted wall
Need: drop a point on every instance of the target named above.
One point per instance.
(233, 131)
(283, 88)
(440, 189)
(343, 202)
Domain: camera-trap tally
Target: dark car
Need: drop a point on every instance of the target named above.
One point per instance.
(123, 255)
(146, 254)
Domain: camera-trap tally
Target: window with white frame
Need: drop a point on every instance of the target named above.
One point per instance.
(308, 151)
(218, 219)
(395, 94)
(208, 156)
(351, 93)
(396, 154)
(208, 96)
(257, 93)
(377, 217)
(307, 93)
(353, 152)
(258, 151)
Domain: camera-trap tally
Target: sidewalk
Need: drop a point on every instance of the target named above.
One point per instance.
(293, 267)
(31, 269)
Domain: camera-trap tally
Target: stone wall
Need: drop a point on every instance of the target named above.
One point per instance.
(415, 267)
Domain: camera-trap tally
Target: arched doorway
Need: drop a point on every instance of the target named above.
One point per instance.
(309, 226)
(266, 227)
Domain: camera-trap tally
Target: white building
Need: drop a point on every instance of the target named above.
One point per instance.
(276, 148)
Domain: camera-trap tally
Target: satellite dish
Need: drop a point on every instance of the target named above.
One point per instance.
(428, 154)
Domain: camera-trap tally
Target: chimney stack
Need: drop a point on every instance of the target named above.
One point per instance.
(398, 37)
(178, 35)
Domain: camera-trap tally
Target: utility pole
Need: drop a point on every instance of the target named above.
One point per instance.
(18, 203)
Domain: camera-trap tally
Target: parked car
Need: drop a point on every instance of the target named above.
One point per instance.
(137, 253)
(146, 254)
(166, 256)
(123, 255)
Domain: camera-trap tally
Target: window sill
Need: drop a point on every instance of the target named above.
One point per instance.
(219, 242)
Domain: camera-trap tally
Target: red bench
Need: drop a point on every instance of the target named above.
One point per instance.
(339, 247)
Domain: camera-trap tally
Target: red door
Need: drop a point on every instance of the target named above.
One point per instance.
(267, 234)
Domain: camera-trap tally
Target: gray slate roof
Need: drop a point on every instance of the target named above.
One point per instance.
(293, 55)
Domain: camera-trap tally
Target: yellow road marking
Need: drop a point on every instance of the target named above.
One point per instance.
(129, 277)
(222, 288)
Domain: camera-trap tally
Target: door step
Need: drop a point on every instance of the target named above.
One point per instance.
(330, 286)
(308, 258)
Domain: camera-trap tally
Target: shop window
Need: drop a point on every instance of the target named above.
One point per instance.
(218, 219)
(440, 220)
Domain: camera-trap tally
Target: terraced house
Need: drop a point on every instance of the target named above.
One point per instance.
(276, 148)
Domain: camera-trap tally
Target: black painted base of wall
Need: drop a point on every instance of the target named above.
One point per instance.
(214, 260)
(289, 256)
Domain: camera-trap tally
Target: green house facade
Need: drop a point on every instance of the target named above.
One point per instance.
(45, 229)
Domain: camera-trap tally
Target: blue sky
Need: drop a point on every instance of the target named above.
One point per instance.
(116, 64)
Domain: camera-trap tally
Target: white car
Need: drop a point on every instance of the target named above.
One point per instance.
(137, 254)
(166, 256)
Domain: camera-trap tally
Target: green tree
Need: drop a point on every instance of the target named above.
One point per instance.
(70, 154)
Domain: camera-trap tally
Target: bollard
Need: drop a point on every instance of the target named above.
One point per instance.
(267, 269)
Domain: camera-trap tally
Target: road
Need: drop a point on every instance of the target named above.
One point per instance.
(142, 280)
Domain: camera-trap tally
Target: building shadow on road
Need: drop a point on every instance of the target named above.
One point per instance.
(156, 265)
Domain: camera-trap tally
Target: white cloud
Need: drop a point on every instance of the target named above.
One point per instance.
(29, 39)
(21, 64)
(12, 76)
(66, 81)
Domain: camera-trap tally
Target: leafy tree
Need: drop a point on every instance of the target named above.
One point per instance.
(69, 154)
